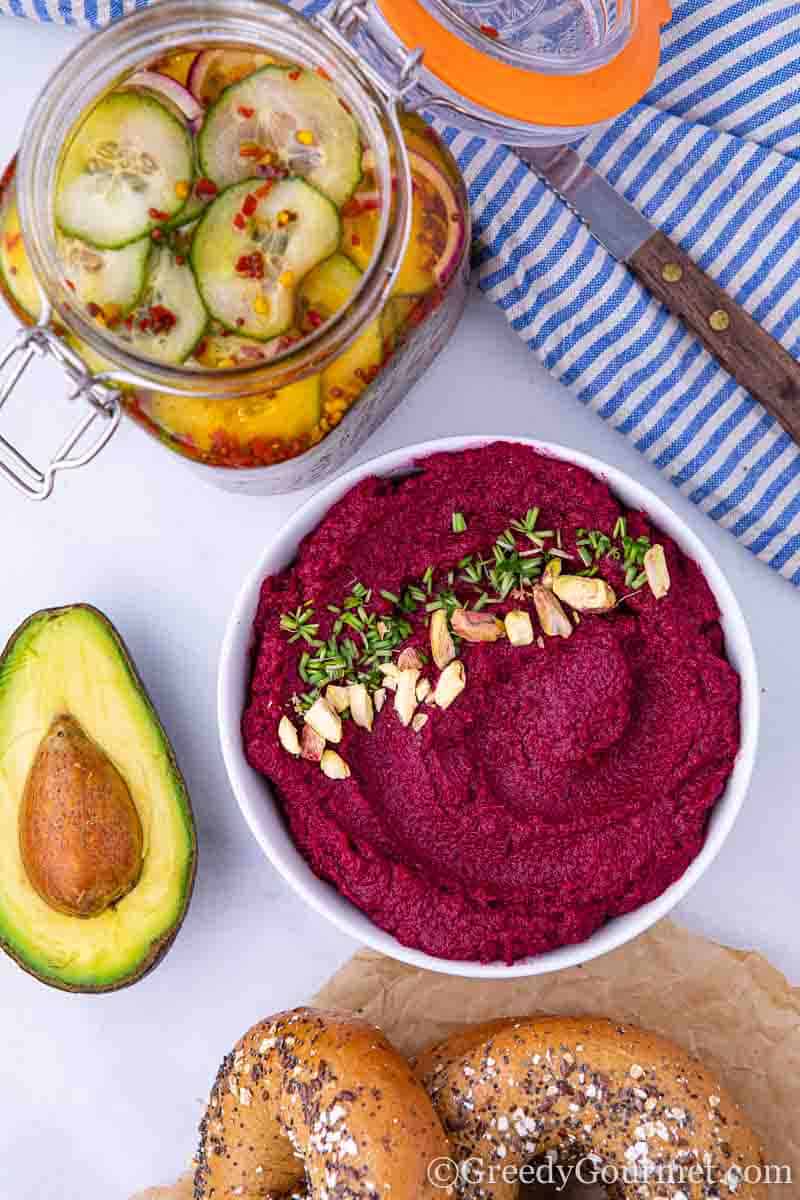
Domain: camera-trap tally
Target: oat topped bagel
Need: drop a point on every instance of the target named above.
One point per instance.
(511, 1092)
(323, 1099)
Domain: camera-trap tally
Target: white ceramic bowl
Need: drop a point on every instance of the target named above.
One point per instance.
(263, 815)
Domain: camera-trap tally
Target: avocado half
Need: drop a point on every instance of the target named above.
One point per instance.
(71, 662)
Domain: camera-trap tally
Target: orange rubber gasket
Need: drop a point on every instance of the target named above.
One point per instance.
(529, 96)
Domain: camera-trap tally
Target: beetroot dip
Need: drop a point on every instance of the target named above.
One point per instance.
(573, 778)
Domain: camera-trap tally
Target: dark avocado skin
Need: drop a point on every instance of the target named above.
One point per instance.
(160, 947)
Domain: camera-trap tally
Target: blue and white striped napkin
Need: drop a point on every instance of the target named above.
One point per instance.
(711, 156)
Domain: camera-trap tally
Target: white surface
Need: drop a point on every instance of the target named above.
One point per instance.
(263, 814)
(102, 1095)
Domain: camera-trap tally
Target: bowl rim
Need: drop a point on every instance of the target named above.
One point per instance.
(322, 896)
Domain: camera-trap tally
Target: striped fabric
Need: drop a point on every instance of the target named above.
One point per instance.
(711, 156)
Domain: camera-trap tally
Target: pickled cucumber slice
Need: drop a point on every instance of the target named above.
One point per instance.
(170, 318)
(126, 170)
(284, 116)
(225, 350)
(112, 280)
(325, 290)
(279, 416)
(322, 293)
(253, 246)
(15, 268)
(397, 319)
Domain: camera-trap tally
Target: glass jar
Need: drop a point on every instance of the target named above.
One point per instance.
(275, 422)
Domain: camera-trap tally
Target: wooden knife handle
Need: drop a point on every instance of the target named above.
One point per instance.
(752, 356)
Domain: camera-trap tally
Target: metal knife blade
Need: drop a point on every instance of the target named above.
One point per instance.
(745, 349)
(612, 220)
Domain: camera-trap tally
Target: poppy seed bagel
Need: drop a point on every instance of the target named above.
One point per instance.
(321, 1099)
(511, 1092)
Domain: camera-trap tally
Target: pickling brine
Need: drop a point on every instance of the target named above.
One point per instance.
(216, 209)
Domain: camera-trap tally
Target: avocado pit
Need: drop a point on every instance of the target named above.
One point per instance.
(80, 835)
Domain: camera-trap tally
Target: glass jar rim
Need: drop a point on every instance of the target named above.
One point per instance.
(96, 66)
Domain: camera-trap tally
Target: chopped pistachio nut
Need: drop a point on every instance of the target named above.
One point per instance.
(334, 766)
(410, 659)
(424, 689)
(477, 626)
(553, 619)
(313, 744)
(419, 722)
(442, 646)
(405, 699)
(391, 674)
(451, 684)
(657, 571)
(361, 709)
(287, 736)
(379, 699)
(338, 697)
(323, 718)
(585, 594)
(551, 573)
(519, 628)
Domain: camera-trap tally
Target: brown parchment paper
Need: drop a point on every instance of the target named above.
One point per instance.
(732, 1009)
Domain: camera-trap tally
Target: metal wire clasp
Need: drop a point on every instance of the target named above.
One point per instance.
(100, 400)
(349, 18)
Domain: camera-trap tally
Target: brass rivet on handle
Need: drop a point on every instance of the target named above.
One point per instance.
(719, 320)
(672, 272)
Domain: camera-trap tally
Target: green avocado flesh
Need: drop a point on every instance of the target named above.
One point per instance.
(71, 662)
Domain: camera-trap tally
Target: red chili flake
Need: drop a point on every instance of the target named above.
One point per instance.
(200, 348)
(251, 150)
(251, 265)
(314, 319)
(350, 208)
(179, 260)
(264, 190)
(157, 234)
(239, 221)
(355, 240)
(293, 75)
(93, 309)
(489, 31)
(250, 205)
(155, 214)
(144, 324)
(162, 319)
(323, 74)
(129, 322)
(205, 187)
(245, 112)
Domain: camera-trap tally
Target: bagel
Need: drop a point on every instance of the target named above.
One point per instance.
(323, 1100)
(513, 1093)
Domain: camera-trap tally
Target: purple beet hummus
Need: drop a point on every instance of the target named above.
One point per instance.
(572, 779)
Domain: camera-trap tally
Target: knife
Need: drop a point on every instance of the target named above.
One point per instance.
(751, 355)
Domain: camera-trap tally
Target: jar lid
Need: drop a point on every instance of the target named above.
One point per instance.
(558, 63)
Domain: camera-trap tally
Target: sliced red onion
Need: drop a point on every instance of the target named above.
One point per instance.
(165, 85)
(230, 65)
(420, 165)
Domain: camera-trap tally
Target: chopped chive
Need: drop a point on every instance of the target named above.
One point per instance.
(459, 523)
